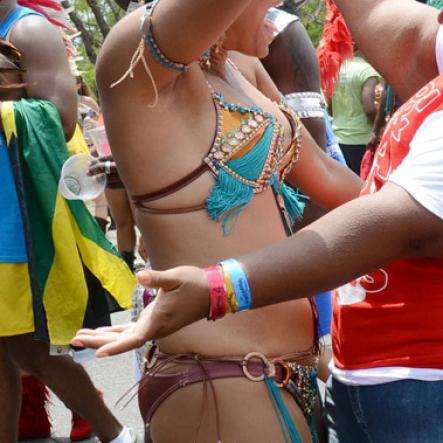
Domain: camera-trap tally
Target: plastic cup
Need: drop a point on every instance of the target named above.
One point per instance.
(76, 184)
(100, 140)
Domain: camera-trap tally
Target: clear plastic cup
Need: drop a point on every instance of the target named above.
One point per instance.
(100, 140)
(75, 183)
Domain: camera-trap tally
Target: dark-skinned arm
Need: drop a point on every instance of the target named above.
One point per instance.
(293, 65)
(354, 239)
(393, 34)
(350, 241)
(46, 68)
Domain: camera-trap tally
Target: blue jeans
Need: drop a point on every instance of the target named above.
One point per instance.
(407, 411)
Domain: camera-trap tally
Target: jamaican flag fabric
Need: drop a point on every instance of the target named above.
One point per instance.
(64, 242)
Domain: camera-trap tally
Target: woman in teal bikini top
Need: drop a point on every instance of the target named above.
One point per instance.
(247, 157)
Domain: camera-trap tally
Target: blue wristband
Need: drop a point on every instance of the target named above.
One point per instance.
(239, 282)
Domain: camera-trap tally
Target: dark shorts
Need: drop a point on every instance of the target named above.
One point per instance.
(353, 155)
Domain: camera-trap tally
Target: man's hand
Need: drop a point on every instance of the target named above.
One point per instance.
(106, 165)
(182, 299)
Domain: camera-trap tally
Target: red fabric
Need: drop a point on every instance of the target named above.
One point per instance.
(34, 418)
(39, 5)
(80, 429)
(392, 316)
(366, 164)
(337, 45)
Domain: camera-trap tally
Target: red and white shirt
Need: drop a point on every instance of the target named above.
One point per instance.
(388, 324)
(439, 50)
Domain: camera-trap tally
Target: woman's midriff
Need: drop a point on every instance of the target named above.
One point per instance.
(193, 239)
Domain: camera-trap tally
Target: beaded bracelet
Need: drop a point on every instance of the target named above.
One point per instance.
(237, 275)
(217, 289)
(153, 46)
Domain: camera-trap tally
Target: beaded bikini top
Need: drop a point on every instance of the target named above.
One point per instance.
(247, 156)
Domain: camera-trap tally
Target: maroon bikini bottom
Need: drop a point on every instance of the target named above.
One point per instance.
(162, 378)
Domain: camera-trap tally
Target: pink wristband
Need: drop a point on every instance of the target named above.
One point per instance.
(217, 289)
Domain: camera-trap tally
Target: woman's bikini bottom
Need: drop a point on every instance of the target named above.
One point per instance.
(295, 373)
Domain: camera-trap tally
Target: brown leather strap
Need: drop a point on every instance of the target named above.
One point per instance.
(157, 211)
(291, 121)
(170, 189)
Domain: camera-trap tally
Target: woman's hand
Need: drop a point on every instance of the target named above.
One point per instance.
(182, 299)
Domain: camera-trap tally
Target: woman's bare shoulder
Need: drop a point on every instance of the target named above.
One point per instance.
(119, 46)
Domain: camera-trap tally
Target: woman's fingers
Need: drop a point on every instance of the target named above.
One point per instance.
(166, 280)
(94, 341)
(110, 340)
(124, 343)
(116, 328)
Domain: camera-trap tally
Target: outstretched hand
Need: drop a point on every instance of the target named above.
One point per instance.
(182, 299)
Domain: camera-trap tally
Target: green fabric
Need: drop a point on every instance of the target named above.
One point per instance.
(351, 125)
(40, 152)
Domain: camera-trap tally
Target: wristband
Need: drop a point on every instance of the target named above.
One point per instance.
(239, 282)
(217, 289)
(231, 298)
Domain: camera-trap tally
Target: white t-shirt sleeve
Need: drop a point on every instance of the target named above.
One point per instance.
(421, 172)
(439, 50)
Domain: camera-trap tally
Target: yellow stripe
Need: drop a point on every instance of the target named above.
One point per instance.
(66, 293)
(16, 314)
(8, 120)
(77, 144)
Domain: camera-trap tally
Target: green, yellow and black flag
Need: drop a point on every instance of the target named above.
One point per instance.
(63, 240)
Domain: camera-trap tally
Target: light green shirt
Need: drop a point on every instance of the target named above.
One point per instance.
(351, 125)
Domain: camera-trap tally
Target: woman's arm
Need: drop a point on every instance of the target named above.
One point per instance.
(183, 31)
(326, 181)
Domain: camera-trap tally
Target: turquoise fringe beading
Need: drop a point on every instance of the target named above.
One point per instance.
(289, 430)
(229, 196)
(293, 203)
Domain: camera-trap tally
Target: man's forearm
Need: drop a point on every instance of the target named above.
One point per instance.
(350, 241)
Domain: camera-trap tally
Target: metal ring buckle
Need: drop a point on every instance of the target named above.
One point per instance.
(288, 372)
(257, 356)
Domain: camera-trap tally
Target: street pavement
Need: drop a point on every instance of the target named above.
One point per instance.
(114, 376)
